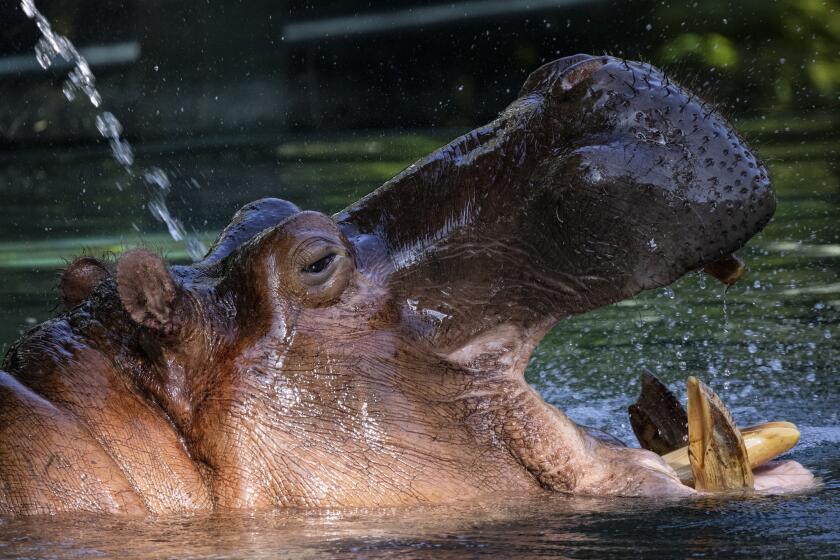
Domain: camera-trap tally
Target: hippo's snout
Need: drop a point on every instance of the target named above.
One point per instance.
(659, 172)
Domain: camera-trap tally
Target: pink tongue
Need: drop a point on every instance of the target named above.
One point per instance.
(728, 269)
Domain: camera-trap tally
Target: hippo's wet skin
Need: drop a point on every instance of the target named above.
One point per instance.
(377, 357)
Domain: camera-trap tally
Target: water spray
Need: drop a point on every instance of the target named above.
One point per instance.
(81, 81)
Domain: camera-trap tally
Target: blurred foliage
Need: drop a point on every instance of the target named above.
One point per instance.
(775, 54)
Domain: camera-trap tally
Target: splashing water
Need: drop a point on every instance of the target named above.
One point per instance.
(80, 80)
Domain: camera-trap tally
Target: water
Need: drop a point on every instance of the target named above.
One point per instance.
(518, 528)
(769, 345)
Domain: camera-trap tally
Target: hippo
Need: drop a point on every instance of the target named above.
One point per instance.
(376, 357)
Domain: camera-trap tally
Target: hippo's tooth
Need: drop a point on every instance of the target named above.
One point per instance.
(658, 419)
(716, 451)
(769, 440)
(661, 424)
(764, 442)
(728, 269)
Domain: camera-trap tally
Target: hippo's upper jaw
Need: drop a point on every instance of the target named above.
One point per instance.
(377, 357)
(603, 179)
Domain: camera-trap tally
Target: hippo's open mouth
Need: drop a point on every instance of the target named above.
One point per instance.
(603, 179)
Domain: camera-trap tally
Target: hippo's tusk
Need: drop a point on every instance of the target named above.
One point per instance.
(657, 417)
(769, 440)
(716, 450)
(764, 442)
(728, 269)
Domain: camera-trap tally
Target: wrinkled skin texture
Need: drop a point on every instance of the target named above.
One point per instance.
(377, 357)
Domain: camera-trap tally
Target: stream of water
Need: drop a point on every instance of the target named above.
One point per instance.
(80, 80)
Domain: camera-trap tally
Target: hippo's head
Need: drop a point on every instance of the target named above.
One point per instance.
(377, 356)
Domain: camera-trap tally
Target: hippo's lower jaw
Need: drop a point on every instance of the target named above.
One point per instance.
(559, 454)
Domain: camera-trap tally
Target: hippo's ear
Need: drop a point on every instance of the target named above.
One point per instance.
(79, 280)
(147, 289)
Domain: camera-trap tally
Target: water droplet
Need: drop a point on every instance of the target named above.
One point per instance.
(195, 248)
(28, 8)
(156, 177)
(108, 125)
(158, 208)
(45, 53)
(69, 90)
(122, 152)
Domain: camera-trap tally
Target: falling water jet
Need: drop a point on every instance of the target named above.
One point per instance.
(80, 78)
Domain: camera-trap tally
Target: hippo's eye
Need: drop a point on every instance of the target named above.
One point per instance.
(313, 261)
(320, 265)
(324, 268)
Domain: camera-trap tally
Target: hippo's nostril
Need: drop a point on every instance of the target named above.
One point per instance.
(580, 71)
